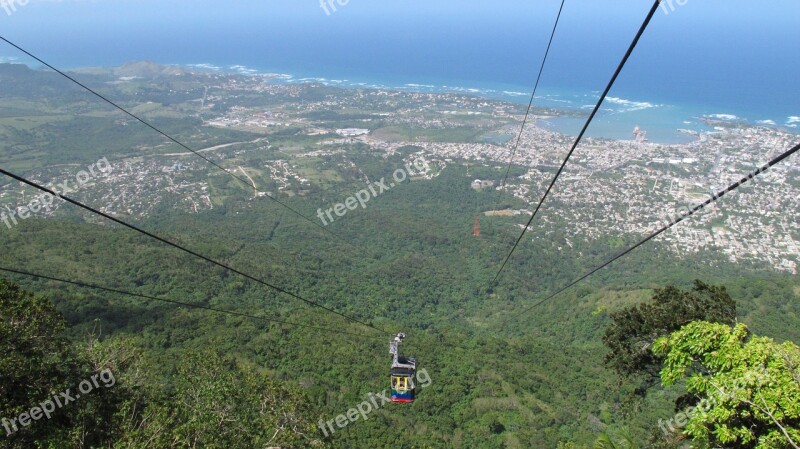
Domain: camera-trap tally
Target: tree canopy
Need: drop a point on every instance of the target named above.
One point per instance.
(749, 386)
(633, 330)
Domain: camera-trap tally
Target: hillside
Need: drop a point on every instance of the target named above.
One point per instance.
(500, 375)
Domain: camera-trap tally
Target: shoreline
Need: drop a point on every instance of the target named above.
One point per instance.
(687, 119)
(664, 123)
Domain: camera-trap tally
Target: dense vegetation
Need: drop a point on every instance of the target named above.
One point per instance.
(209, 399)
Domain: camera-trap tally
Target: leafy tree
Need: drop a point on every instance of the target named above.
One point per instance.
(621, 439)
(216, 402)
(631, 335)
(37, 363)
(750, 386)
(210, 401)
(35, 359)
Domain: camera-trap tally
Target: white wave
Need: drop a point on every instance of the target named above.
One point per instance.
(793, 119)
(766, 122)
(515, 94)
(206, 66)
(420, 85)
(727, 117)
(283, 76)
(631, 106)
(313, 80)
(243, 70)
(469, 90)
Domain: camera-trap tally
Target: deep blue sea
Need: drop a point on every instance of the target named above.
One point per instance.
(728, 58)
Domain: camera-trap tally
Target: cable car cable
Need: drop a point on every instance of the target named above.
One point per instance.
(583, 131)
(186, 250)
(533, 95)
(674, 222)
(171, 301)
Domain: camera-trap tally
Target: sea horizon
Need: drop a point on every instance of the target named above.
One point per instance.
(696, 61)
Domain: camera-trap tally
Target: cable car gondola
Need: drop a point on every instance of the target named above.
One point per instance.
(403, 373)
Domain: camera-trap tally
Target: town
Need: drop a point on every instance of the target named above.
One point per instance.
(305, 136)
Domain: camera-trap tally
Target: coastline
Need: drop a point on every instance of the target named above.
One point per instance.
(663, 122)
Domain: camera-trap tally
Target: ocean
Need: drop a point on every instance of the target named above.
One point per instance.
(731, 59)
